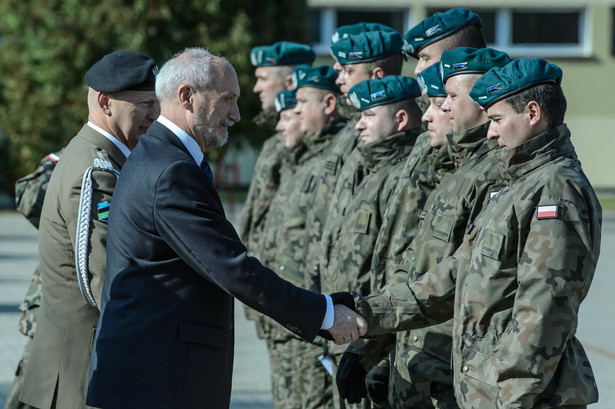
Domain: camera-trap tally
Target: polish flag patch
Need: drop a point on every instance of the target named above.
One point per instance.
(546, 212)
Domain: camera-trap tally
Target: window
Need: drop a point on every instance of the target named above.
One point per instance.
(557, 32)
(324, 21)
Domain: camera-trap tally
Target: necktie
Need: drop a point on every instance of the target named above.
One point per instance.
(207, 170)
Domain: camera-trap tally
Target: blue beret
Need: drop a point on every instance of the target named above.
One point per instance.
(430, 81)
(383, 91)
(467, 60)
(366, 47)
(123, 70)
(437, 27)
(345, 31)
(285, 100)
(517, 76)
(282, 53)
(318, 77)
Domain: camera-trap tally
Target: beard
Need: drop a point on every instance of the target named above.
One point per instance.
(213, 138)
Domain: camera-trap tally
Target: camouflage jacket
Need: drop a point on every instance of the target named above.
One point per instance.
(263, 188)
(418, 179)
(514, 286)
(382, 163)
(340, 167)
(291, 236)
(29, 195)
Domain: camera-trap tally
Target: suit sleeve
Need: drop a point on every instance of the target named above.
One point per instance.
(189, 218)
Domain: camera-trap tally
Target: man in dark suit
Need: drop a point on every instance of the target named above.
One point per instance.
(165, 337)
(73, 227)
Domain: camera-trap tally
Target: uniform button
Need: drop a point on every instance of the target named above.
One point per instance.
(251, 254)
(281, 268)
(413, 258)
(415, 338)
(465, 368)
(433, 205)
(315, 268)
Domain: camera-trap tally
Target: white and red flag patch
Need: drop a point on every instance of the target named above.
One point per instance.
(546, 212)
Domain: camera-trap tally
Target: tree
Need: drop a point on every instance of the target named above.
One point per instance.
(48, 45)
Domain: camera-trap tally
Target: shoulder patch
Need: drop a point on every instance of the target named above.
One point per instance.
(547, 212)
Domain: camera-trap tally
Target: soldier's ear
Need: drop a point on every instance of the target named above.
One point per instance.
(534, 113)
(330, 102)
(288, 82)
(103, 102)
(402, 118)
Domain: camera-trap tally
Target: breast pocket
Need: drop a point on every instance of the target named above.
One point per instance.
(493, 243)
(362, 222)
(443, 226)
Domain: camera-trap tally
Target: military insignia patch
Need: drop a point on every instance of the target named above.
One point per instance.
(377, 95)
(460, 66)
(494, 88)
(546, 212)
(102, 210)
(432, 30)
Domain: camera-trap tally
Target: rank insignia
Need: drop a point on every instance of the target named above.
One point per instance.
(546, 212)
(102, 210)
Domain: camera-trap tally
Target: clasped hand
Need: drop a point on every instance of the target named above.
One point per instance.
(347, 325)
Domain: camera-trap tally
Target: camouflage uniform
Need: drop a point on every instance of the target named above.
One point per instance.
(514, 286)
(296, 383)
(334, 185)
(29, 196)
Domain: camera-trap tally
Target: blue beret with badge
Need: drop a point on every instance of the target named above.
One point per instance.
(123, 70)
(322, 77)
(383, 91)
(282, 53)
(437, 27)
(345, 31)
(468, 60)
(366, 47)
(430, 81)
(286, 99)
(517, 76)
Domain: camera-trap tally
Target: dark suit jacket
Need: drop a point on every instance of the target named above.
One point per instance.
(165, 337)
(60, 358)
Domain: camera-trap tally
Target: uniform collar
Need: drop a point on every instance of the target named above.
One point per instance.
(112, 138)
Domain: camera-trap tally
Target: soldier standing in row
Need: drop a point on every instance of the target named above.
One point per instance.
(515, 285)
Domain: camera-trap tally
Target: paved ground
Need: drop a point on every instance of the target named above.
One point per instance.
(251, 385)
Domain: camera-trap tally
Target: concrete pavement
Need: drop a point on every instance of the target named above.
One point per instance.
(251, 383)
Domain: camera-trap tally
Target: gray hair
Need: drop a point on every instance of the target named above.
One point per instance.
(193, 66)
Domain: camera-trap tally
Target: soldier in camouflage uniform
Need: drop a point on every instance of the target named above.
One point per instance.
(515, 285)
(420, 375)
(274, 67)
(29, 195)
(302, 382)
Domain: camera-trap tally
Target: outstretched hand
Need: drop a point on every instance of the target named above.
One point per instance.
(347, 325)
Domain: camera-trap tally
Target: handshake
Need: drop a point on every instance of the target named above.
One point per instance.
(347, 324)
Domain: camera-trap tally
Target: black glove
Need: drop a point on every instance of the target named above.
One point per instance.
(350, 378)
(343, 298)
(377, 383)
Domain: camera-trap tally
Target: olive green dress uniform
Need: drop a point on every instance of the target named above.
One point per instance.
(514, 343)
(29, 196)
(59, 363)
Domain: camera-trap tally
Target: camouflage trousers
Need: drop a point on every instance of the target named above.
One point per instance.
(12, 400)
(298, 379)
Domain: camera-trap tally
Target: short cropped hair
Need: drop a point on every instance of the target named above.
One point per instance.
(470, 36)
(391, 65)
(193, 66)
(549, 96)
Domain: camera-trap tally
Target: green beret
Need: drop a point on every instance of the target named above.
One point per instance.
(285, 100)
(345, 31)
(517, 76)
(437, 27)
(299, 72)
(123, 70)
(282, 53)
(318, 77)
(366, 47)
(430, 81)
(383, 91)
(467, 60)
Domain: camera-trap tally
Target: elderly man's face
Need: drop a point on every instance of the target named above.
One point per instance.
(132, 112)
(438, 123)
(290, 126)
(269, 82)
(217, 109)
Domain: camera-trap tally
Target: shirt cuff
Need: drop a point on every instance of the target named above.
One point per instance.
(327, 322)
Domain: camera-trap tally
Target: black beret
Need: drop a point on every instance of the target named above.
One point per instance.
(123, 70)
